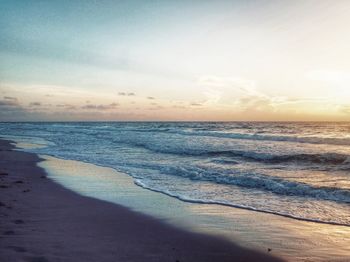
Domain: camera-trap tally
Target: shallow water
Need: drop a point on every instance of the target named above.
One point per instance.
(288, 238)
(299, 170)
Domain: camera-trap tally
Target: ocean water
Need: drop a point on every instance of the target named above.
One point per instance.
(298, 170)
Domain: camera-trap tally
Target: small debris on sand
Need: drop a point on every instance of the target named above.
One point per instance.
(17, 249)
(18, 221)
(38, 259)
(9, 232)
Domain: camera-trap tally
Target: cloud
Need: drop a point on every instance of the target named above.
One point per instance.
(100, 107)
(126, 94)
(212, 96)
(228, 89)
(196, 104)
(35, 104)
(8, 103)
(156, 108)
(10, 110)
(67, 106)
(273, 104)
(332, 76)
(230, 82)
(333, 84)
(150, 98)
(10, 98)
(345, 109)
(244, 95)
(256, 103)
(282, 100)
(179, 106)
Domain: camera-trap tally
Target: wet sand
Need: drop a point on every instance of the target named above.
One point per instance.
(42, 221)
(293, 240)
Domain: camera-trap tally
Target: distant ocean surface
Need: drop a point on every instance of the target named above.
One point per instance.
(298, 170)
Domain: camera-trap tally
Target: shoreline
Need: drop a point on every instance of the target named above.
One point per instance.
(244, 208)
(290, 239)
(43, 221)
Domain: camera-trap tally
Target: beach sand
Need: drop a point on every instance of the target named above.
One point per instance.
(42, 221)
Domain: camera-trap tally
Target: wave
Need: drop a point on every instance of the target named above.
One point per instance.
(31, 139)
(230, 176)
(224, 161)
(323, 159)
(213, 173)
(335, 160)
(225, 203)
(263, 182)
(187, 129)
(226, 132)
(257, 136)
(249, 180)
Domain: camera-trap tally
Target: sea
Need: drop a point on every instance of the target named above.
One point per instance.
(299, 170)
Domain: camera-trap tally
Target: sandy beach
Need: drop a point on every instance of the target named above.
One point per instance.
(174, 131)
(42, 221)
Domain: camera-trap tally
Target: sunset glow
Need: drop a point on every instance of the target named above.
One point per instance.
(167, 60)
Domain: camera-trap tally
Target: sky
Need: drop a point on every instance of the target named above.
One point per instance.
(175, 60)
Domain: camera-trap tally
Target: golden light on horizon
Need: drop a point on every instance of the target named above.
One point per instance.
(288, 61)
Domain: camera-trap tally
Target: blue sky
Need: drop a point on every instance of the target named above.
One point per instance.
(198, 60)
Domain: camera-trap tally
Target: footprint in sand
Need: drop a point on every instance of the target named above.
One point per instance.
(18, 249)
(9, 232)
(37, 259)
(18, 221)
